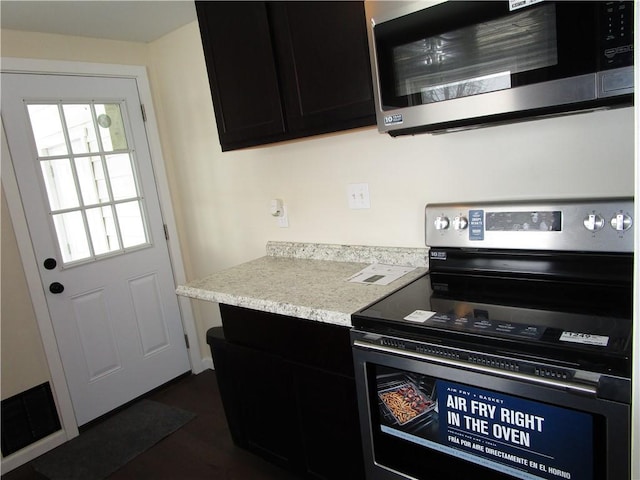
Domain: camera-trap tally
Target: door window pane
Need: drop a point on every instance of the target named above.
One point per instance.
(102, 228)
(58, 180)
(123, 184)
(111, 127)
(72, 236)
(82, 132)
(131, 224)
(91, 178)
(47, 130)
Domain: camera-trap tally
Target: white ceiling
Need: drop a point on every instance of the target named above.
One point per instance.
(136, 21)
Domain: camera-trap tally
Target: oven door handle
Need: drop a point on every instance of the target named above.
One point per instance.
(547, 382)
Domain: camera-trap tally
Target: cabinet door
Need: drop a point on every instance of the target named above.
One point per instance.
(264, 391)
(329, 422)
(324, 60)
(295, 339)
(294, 380)
(242, 72)
(224, 358)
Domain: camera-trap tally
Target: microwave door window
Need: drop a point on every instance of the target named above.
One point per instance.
(477, 59)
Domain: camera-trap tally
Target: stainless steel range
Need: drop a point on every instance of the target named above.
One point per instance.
(511, 357)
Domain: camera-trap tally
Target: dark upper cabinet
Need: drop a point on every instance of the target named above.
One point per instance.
(285, 70)
(236, 39)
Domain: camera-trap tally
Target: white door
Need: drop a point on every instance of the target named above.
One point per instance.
(82, 163)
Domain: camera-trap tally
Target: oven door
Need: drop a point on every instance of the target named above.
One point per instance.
(424, 417)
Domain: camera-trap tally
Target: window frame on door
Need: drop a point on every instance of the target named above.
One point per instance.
(83, 245)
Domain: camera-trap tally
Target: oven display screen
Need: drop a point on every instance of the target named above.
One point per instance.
(545, 221)
(521, 438)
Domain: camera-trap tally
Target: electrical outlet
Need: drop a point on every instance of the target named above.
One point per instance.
(358, 195)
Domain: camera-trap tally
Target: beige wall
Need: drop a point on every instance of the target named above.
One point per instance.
(23, 361)
(60, 47)
(221, 199)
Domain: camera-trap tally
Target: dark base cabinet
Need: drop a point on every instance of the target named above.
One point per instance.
(288, 390)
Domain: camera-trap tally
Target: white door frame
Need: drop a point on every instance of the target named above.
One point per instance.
(29, 262)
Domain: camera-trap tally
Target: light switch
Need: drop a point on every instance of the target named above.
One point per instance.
(358, 195)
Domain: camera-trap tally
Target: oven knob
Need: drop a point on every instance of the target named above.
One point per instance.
(593, 222)
(621, 222)
(441, 222)
(460, 223)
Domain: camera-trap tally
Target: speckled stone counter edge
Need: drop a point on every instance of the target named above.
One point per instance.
(221, 287)
(299, 311)
(413, 257)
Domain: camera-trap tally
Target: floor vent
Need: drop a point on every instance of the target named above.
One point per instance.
(27, 417)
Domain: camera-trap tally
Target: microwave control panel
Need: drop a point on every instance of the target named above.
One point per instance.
(616, 27)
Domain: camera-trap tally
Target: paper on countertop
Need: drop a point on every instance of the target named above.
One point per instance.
(378, 274)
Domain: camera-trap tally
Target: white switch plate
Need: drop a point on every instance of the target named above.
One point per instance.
(358, 195)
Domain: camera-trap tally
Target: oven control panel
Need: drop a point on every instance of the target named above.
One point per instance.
(595, 225)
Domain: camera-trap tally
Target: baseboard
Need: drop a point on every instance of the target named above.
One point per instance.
(32, 451)
(207, 363)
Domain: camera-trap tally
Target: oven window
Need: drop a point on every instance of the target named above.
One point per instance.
(421, 423)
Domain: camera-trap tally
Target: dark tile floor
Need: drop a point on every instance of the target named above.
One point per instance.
(202, 449)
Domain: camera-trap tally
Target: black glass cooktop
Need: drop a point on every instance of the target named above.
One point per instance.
(585, 324)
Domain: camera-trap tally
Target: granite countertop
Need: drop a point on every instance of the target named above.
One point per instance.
(307, 280)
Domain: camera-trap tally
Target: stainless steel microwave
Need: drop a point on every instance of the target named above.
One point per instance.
(460, 64)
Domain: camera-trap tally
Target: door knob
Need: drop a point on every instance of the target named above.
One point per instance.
(56, 287)
(50, 263)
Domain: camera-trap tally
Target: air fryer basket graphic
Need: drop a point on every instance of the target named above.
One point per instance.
(402, 400)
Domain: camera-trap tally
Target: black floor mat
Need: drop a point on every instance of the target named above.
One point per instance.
(109, 445)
